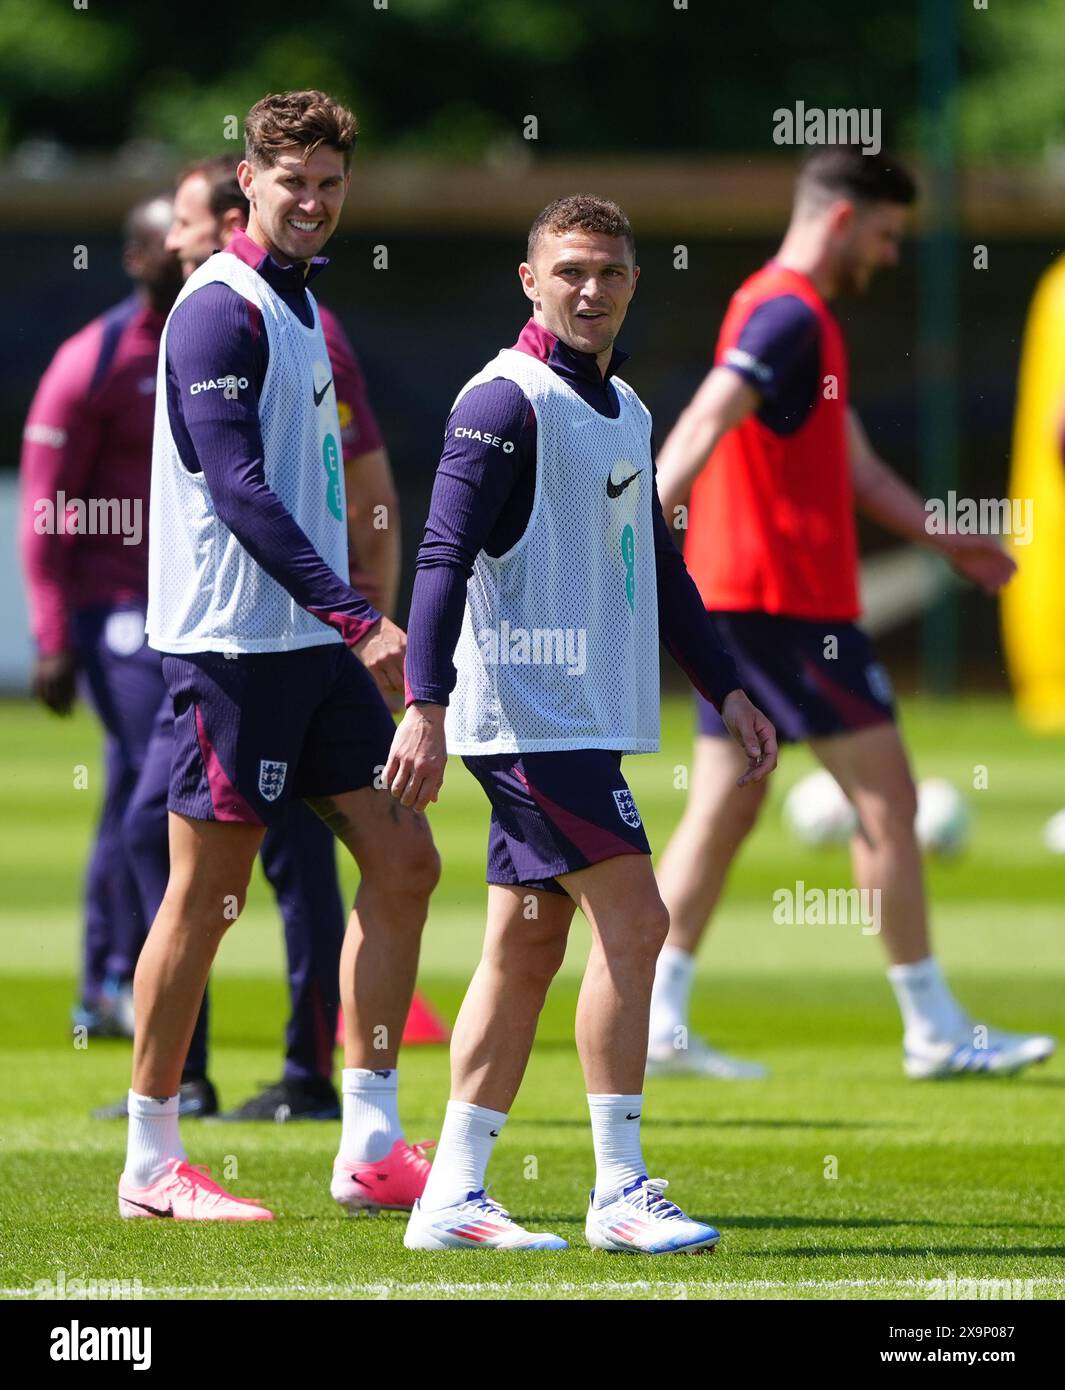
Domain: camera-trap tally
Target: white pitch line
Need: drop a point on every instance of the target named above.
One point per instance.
(541, 1287)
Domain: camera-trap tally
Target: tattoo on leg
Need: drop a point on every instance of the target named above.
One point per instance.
(327, 810)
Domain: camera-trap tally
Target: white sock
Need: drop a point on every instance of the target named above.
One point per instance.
(616, 1139)
(467, 1138)
(371, 1114)
(153, 1138)
(670, 996)
(930, 1013)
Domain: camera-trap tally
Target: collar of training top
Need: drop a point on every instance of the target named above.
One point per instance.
(282, 277)
(539, 342)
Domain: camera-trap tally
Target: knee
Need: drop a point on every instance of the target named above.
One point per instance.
(745, 806)
(731, 818)
(421, 867)
(217, 903)
(411, 869)
(889, 815)
(233, 903)
(655, 929)
(645, 933)
(531, 965)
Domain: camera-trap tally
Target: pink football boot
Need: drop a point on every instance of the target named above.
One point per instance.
(187, 1192)
(391, 1184)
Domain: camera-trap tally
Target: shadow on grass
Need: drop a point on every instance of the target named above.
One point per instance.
(780, 1222)
(651, 1122)
(902, 1252)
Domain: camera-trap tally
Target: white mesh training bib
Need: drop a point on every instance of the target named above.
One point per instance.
(205, 592)
(559, 644)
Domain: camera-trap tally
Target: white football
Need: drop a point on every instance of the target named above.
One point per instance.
(1054, 833)
(817, 812)
(942, 822)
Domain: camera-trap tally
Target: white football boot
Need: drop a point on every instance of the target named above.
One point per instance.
(478, 1223)
(640, 1221)
(987, 1052)
(700, 1059)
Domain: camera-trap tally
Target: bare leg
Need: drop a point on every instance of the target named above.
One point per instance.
(495, 1032)
(524, 945)
(717, 819)
(399, 869)
(210, 864)
(629, 923)
(872, 768)
(692, 876)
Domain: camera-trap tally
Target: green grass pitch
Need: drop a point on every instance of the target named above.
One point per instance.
(952, 1178)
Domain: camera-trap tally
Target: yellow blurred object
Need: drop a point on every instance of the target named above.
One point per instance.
(1033, 602)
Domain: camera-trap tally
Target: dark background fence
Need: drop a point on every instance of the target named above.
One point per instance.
(446, 303)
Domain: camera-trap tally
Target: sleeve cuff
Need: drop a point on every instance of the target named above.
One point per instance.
(424, 696)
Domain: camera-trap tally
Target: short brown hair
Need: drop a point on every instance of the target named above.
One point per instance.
(223, 190)
(307, 119)
(581, 212)
(843, 171)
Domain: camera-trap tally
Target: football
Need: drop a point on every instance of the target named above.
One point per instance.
(1054, 833)
(943, 819)
(817, 812)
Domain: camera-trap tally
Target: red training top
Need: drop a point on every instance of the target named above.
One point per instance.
(771, 524)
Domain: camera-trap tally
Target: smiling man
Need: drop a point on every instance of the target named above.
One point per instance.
(250, 604)
(548, 573)
(298, 853)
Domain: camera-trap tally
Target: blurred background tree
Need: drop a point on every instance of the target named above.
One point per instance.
(455, 77)
(449, 77)
(666, 104)
(1013, 102)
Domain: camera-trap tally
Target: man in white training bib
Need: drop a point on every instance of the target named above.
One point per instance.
(546, 578)
(275, 667)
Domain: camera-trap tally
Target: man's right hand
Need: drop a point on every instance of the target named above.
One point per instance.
(53, 681)
(414, 772)
(381, 651)
(753, 732)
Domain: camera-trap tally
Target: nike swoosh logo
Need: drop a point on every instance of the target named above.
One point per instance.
(493, 1133)
(319, 396)
(634, 1117)
(616, 489)
(154, 1210)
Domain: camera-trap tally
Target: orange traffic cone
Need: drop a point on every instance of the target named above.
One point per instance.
(424, 1024)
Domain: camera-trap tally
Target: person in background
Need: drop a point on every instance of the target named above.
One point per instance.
(775, 461)
(85, 462)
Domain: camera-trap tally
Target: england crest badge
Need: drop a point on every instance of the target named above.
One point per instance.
(627, 808)
(271, 779)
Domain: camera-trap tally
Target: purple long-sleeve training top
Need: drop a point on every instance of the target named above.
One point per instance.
(482, 500)
(217, 333)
